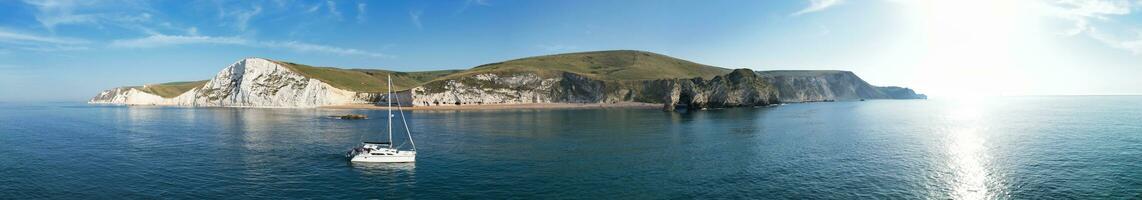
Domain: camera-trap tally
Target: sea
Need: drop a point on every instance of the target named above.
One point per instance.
(1034, 147)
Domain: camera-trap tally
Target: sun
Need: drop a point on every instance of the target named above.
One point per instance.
(968, 46)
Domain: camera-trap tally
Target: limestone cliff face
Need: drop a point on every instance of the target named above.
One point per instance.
(125, 95)
(252, 82)
(520, 88)
(740, 88)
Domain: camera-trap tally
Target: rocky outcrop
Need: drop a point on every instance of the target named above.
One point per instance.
(742, 87)
(350, 116)
(252, 82)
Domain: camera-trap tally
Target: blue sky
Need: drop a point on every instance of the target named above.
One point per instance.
(61, 50)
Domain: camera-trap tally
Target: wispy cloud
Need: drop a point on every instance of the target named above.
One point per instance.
(469, 3)
(1133, 45)
(52, 13)
(817, 5)
(237, 16)
(242, 19)
(14, 37)
(361, 12)
(174, 40)
(414, 17)
(314, 8)
(1094, 19)
(32, 42)
(306, 47)
(155, 41)
(333, 9)
(477, 2)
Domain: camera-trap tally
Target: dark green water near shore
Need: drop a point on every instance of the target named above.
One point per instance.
(1016, 147)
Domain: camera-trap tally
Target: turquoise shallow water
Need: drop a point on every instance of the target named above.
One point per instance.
(1017, 147)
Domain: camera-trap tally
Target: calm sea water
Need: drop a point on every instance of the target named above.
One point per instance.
(1019, 147)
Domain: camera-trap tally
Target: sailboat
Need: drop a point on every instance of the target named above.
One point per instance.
(386, 152)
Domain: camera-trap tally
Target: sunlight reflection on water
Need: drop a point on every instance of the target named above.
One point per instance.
(967, 153)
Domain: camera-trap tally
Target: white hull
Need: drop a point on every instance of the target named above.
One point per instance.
(402, 157)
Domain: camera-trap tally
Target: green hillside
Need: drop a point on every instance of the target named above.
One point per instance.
(605, 65)
(365, 80)
(801, 72)
(172, 89)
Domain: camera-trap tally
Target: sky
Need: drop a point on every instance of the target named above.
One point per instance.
(64, 50)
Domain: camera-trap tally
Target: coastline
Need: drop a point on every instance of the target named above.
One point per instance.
(634, 105)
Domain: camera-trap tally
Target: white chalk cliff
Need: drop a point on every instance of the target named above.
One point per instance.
(251, 82)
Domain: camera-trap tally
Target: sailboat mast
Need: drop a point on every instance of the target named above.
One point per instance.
(389, 101)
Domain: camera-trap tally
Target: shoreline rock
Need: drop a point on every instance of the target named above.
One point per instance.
(350, 116)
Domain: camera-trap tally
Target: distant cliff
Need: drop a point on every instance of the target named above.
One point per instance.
(830, 85)
(588, 77)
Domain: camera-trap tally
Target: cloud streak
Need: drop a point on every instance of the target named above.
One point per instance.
(52, 13)
(155, 41)
(817, 5)
(333, 9)
(361, 12)
(31, 42)
(1093, 18)
(175, 40)
(242, 19)
(414, 17)
(469, 3)
(306, 47)
(14, 37)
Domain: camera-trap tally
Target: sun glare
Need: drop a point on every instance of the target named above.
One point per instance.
(967, 45)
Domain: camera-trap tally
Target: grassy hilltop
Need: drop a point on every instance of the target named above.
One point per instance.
(171, 89)
(365, 80)
(605, 65)
(618, 65)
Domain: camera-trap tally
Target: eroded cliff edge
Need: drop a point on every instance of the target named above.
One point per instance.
(251, 82)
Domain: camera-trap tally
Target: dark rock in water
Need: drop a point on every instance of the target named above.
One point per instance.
(350, 116)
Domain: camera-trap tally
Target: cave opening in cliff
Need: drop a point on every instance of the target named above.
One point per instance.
(684, 100)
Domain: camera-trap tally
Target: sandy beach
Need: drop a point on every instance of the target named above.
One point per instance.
(510, 106)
